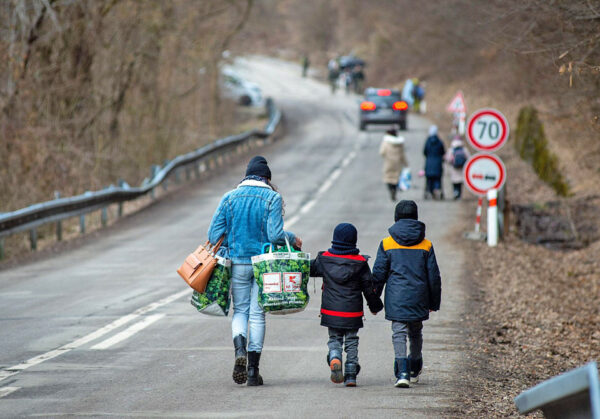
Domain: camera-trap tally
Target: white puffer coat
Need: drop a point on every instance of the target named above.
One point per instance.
(394, 160)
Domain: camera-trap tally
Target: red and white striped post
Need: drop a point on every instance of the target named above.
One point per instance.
(492, 218)
(478, 217)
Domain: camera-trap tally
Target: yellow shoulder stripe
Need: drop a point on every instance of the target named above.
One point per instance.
(389, 243)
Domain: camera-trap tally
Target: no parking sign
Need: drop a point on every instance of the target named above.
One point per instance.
(484, 172)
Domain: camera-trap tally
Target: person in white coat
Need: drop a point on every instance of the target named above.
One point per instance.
(456, 156)
(394, 160)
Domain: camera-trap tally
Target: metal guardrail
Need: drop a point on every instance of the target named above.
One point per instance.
(574, 394)
(59, 209)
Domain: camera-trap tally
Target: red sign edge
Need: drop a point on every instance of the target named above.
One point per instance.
(462, 98)
(503, 121)
(498, 161)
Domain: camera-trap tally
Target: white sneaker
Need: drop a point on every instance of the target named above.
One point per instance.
(402, 382)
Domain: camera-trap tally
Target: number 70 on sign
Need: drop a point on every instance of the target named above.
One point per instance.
(487, 130)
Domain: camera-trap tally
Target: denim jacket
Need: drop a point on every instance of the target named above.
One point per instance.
(249, 216)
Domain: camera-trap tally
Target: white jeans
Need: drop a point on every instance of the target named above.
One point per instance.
(245, 307)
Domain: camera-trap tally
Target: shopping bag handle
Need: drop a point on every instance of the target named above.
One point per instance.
(270, 246)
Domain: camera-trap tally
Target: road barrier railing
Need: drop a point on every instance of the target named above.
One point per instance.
(202, 159)
(574, 394)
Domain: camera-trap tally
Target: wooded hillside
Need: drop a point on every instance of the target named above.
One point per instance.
(96, 90)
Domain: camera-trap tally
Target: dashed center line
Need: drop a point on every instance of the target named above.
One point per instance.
(10, 371)
(130, 331)
(322, 189)
(5, 391)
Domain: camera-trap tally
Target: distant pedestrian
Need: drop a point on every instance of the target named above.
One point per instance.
(249, 216)
(456, 157)
(333, 69)
(358, 78)
(407, 267)
(305, 65)
(434, 153)
(394, 160)
(346, 278)
(419, 96)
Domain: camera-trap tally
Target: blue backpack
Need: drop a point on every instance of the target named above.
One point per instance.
(460, 158)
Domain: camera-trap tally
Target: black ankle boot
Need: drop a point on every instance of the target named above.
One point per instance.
(240, 374)
(350, 374)
(254, 378)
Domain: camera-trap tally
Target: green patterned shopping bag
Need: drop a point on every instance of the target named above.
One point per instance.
(216, 298)
(282, 277)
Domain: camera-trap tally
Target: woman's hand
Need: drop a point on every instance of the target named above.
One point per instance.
(298, 243)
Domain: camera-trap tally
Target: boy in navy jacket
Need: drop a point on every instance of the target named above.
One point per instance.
(346, 277)
(406, 265)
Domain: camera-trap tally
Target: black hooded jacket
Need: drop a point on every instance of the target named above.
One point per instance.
(345, 279)
(406, 265)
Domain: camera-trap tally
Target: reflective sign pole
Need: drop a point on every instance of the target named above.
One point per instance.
(478, 216)
(492, 218)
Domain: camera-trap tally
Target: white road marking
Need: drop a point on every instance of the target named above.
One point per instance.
(127, 333)
(5, 391)
(8, 372)
(322, 189)
(229, 349)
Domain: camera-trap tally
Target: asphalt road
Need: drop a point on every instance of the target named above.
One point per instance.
(107, 329)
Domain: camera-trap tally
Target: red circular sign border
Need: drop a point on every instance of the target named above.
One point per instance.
(493, 157)
(503, 121)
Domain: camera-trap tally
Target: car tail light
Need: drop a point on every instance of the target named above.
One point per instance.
(400, 106)
(367, 106)
(384, 92)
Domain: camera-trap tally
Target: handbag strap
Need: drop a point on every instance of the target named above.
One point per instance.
(215, 248)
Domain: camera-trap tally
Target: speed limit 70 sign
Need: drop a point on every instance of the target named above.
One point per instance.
(487, 130)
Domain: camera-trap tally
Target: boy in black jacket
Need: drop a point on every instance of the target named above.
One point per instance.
(346, 277)
(406, 265)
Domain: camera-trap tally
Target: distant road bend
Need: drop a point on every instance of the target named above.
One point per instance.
(107, 329)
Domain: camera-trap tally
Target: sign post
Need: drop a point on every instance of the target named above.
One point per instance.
(484, 173)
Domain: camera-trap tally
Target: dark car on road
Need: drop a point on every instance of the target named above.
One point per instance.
(383, 106)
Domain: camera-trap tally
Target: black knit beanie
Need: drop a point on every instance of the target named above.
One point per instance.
(258, 167)
(344, 240)
(406, 209)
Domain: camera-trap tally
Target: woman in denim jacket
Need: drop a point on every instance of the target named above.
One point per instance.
(249, 216)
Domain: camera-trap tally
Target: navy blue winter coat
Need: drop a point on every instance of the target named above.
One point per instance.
(406, 265)
(434, 156)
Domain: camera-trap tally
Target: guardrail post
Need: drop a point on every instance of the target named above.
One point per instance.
(33, 239)
(82, 223)
(104, 216)
(1, 248)
(188, 175)
(165, 183)
(58, 223)
(177, 175)
(153, 171)
(197, 170)
(120, 207)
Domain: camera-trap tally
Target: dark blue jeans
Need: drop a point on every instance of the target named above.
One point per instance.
(434, 183)
(347, 338)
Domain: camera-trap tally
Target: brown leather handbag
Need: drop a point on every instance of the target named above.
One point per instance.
(197, 268)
